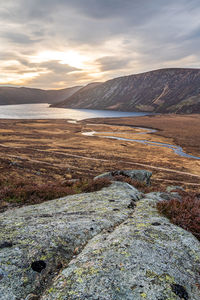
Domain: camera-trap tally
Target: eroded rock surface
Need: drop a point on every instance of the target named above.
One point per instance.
(103, 245)
(35, 241)
(145, 257)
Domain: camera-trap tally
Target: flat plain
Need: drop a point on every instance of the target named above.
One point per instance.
(56, 150)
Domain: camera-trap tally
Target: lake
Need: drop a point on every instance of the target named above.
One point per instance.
(43, 111)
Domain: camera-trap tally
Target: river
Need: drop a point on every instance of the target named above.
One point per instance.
(177, 149)
(43, 111)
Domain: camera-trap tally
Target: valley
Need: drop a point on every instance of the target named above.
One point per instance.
(99, 150)
(56, 150)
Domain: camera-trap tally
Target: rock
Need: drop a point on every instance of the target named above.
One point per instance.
(37, 240)
(101, 245)
(171, 188)
(145, 257)
(163, 196)
(139, 175)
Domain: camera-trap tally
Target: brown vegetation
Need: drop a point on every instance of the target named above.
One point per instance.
(184, 213)
(14, 192)
(182, 130)
(141, 186)
(46, 153)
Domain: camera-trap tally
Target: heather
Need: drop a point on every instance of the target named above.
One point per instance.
(184, 212)
(22, 192)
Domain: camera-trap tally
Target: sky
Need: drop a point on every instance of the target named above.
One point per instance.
(55, 44)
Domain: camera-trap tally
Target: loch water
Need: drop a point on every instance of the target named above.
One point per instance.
(44, 111)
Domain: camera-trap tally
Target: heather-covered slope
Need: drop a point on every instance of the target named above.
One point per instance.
(12, 95)
(163, 91)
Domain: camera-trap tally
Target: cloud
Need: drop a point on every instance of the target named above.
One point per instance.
(19, 38)
(114, 38)
(54, 73)
(110, 63)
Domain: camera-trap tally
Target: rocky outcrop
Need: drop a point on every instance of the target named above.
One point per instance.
(101, 245)
(145, 257)
(172, 90)
(35, 241)
(138, 175)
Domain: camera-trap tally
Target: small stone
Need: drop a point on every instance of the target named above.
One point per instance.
(171, 188)
(180, 291)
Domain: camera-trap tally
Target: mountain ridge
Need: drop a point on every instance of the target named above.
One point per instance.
(22, 95)
(162, 91)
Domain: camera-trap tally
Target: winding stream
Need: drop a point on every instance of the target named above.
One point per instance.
(177, 149)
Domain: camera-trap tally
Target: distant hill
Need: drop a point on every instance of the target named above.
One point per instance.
(12, 95)
(79, 95)
(173, 90)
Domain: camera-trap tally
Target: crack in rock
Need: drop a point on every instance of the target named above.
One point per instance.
(95, 246)
(137, 260)
(49, 235)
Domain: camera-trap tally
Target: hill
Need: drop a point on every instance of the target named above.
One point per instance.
(22, 95)
(173, 90)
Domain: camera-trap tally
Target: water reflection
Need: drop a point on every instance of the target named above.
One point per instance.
(43, 111)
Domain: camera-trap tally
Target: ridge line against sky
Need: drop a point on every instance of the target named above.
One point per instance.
(57, 44)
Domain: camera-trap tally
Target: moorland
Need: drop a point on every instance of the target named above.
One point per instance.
(49, 156)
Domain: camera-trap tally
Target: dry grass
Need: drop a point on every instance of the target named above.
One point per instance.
(183, 130)
(47, 153)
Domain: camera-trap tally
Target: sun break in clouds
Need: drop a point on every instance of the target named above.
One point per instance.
(57, 44)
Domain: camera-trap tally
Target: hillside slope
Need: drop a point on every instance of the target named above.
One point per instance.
(163, 91)
(79, 95)
(12, 95)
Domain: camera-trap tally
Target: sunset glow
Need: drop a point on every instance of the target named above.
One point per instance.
(71, 58)
(54, 44)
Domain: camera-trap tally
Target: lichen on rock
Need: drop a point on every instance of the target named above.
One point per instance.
(110, 244)
(36, 241)
(138, 260)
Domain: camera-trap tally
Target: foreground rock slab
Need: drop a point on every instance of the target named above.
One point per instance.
(36, 241)
(145, 257)
(106, 245)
